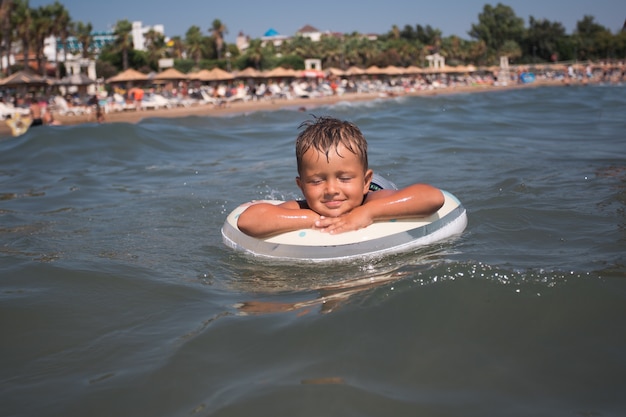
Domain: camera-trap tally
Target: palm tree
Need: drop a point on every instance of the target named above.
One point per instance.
(406, 52)
(331, 49)
(123, 39)
(351, 51)
(6, 10)
(478, 53)
(254, 53)
(176, 47)
(41, 28)
(368, 51)
(193, 40)
(218, 30)
(21, 21)
(84, 36)
(395, 32)
(301, 46)
(155, 45)
(454, 49)
(61, 28)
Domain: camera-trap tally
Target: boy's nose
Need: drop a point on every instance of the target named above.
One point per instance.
(331, 186)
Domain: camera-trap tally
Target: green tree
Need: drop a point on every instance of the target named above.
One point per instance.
(333, 54)
(123, 40)
(253, 56)
(21, 21)
(408, 33)
(61, 27)
(83, 32)
(208, 51)
(115, 57)
(542, 39)
(41, 28)
(217, 30)
(362, 52)
(395, 32)
(349, 56)
(478, 53)
(455, 49)
(105, 69)
(176, 47)
(155, 46)
(619, 44)
(591, 40)
(428, 36)
(290, 61)
(6, 31)
(496, 26)
(402, 52)
(193, 42)
(511, 49)
(301, 46)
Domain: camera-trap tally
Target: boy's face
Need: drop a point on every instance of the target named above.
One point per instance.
(335, 186)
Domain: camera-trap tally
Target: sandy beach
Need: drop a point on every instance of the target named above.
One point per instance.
(303, 104)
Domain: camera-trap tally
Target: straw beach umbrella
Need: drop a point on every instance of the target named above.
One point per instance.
(392, 70)
(202, 75)
(218, 74)
(354, 70)
(374, 70)
(171, 74)
(249, 72)
(129, 75)
(280, 72)
(412, 69)
(25, 78)
(336, 71)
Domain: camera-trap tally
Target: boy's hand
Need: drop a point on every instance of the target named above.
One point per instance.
(356, 219)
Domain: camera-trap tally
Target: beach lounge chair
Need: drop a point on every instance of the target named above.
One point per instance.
(154, 102)
(260, 91)
(208, 99)
(240, 95)
(119, 103)
(8, 111)
(299, 92)
(62, 107)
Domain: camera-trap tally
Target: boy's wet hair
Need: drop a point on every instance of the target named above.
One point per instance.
(325, 134)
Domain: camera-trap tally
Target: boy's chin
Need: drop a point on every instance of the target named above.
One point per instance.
(326, 212)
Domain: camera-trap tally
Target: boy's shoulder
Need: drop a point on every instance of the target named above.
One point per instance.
(374, 195)
(294, 204)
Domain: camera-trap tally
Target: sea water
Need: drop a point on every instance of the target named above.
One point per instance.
(118, 298)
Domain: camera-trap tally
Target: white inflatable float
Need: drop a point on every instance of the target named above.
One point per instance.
(380, 238)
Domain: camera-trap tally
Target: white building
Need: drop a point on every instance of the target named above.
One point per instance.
(243, 41)
(310, 32)
(139, 31)
(272, 36)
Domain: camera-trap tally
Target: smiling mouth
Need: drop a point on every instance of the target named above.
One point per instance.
(333, 204)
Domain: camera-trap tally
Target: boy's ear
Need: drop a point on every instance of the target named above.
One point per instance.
(299, 183)
(369, 174)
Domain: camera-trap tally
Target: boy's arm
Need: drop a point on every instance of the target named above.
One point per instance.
(264, 219)
(418, 200)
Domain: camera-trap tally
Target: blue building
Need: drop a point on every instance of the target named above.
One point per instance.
(99, 41)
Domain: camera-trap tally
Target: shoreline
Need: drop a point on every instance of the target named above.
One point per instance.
(134, 116)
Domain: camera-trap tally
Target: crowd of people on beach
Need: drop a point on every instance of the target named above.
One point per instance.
(108, 99)
(257, 89)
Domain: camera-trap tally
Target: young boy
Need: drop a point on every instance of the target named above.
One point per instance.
(334, 178)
